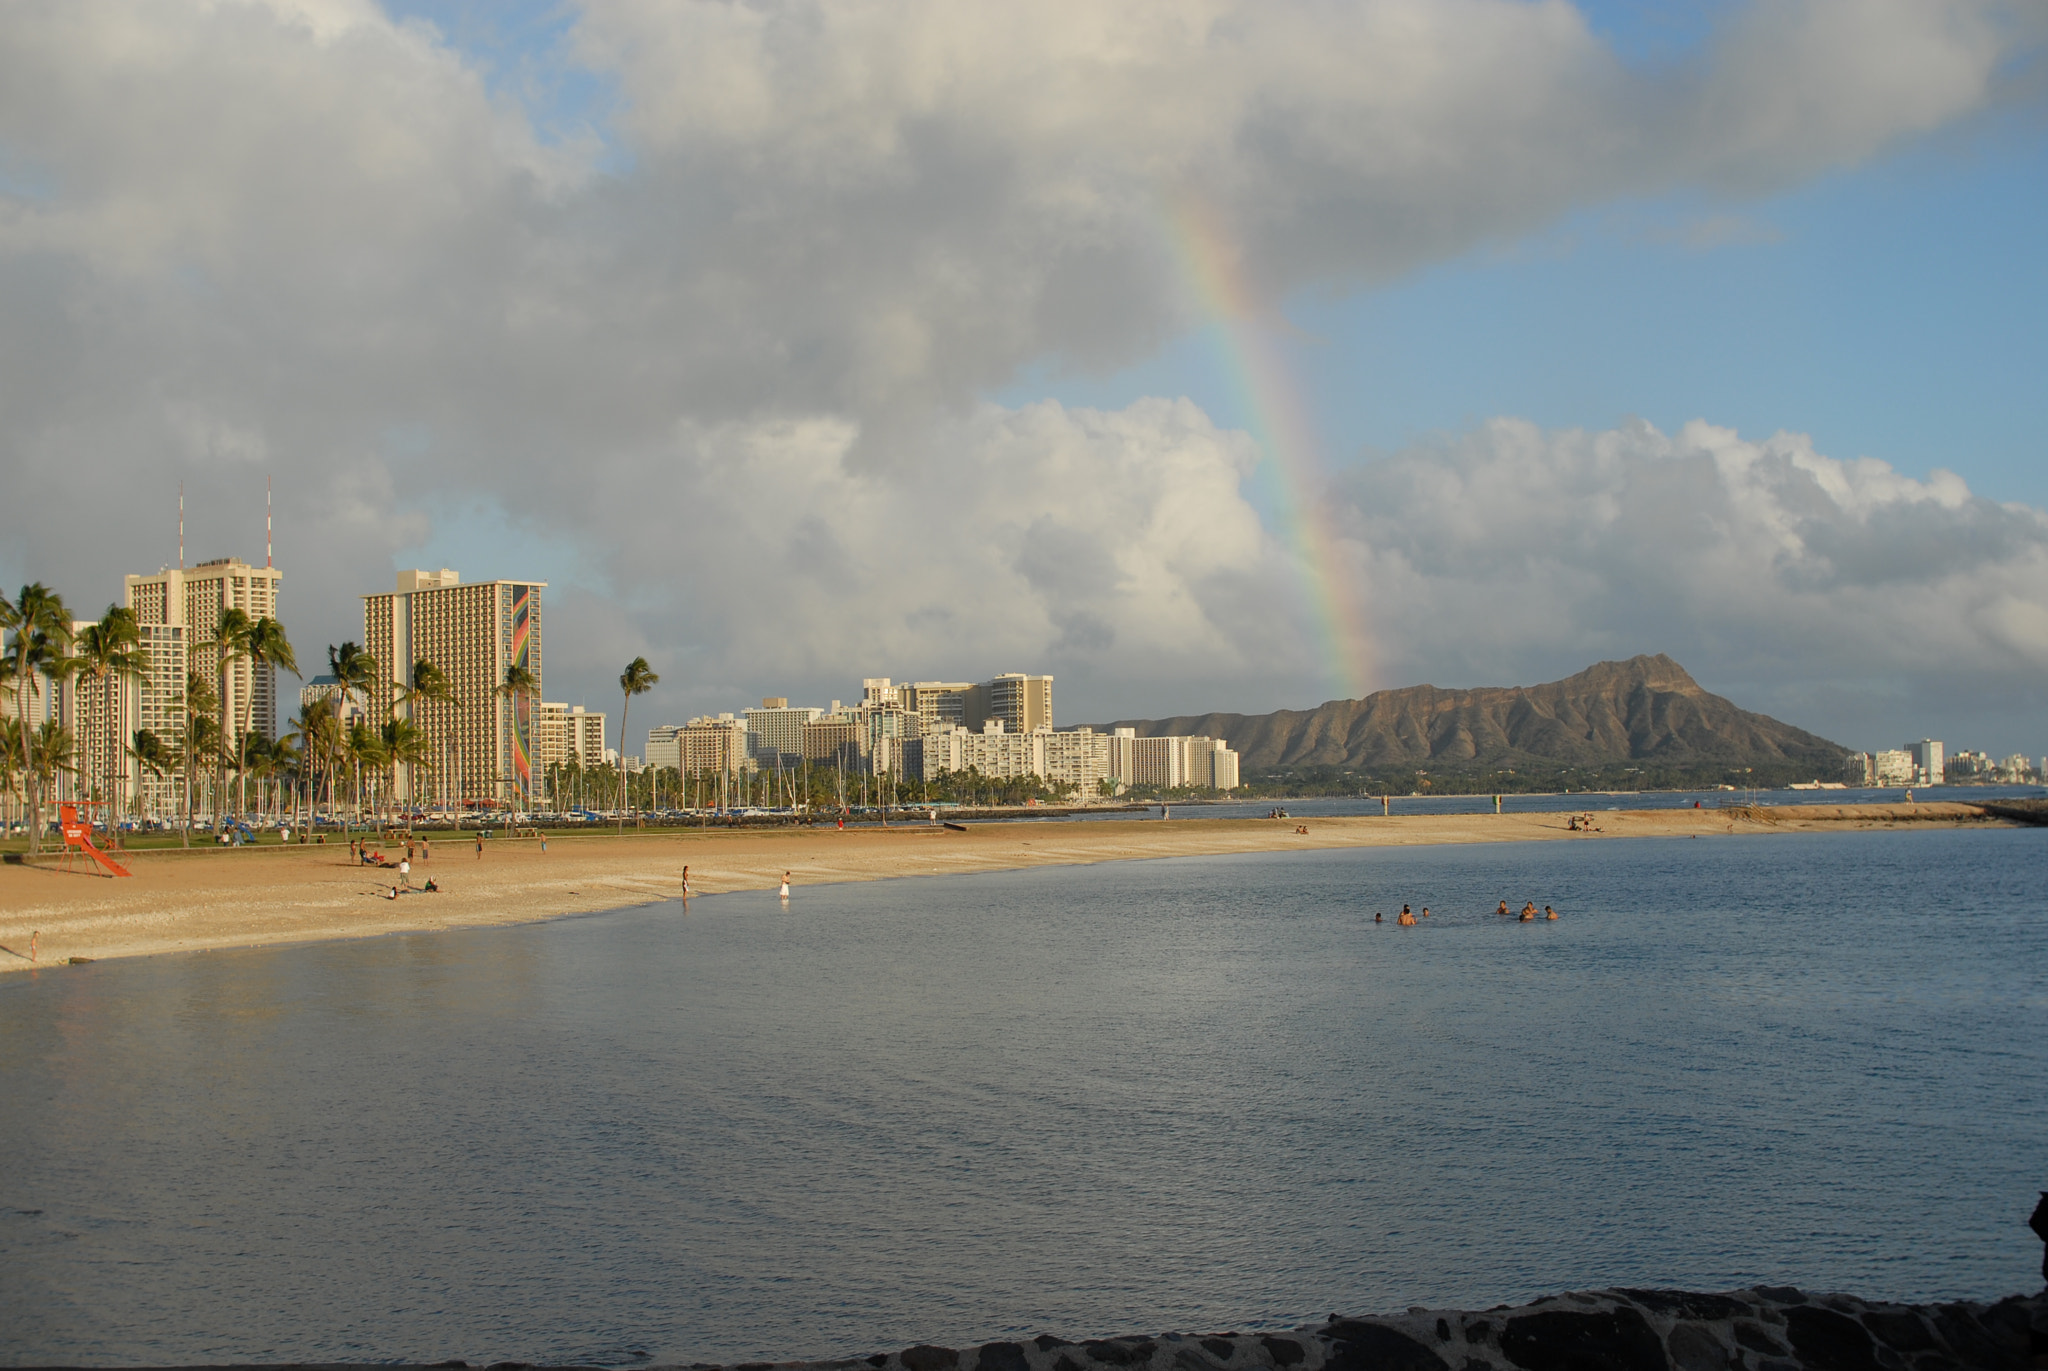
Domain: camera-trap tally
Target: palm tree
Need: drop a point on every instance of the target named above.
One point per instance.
(50, 748)
(231, 642)
(111, 650)
(405, 744)
(365, 747)
(201, 705)
(267, 648)
(355, 673)
(637, 679)
(429, 685)
(153, 754)
(317, 731)
(41, 629)
(520, 686)
(10, 767)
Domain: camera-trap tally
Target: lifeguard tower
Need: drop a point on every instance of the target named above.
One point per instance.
(78, 835)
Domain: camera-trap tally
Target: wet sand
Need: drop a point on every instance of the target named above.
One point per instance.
(181, 901)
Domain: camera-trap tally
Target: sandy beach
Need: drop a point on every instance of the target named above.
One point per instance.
(181, 901)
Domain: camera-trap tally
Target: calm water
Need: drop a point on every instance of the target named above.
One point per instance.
(1185, 1094)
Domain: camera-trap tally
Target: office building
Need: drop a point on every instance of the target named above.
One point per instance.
(480, 742)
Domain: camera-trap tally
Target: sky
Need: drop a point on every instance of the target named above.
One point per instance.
(1207, 355)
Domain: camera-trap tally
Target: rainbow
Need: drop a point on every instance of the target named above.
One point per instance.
(1210, 264)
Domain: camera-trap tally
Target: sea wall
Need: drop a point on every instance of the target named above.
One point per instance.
(1769, 1328)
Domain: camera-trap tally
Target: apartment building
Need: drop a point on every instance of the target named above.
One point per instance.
(775, 731)
(105, 713)
(1023, 703)
(482, 742)
(194, 599)
(565, 734)
(1172, 762)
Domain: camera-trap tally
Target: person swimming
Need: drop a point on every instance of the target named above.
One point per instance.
(1425, 911)
(1407, 919)
(1378, 917)
(1549, 913)
(1528, 913)
(1503, 911)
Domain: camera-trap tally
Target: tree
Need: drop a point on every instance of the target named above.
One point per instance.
(429, 685)
(111, 650)
(355, 673)
(230, 643)
(201, 706)
(317, 731)
(404, 744)
(267, 648)
(637, 679)
(50, 749)
(153, 754)
(520, 686)
(40, 630)
(366, 749)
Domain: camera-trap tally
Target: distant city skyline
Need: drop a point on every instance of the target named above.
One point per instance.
(1460, 345)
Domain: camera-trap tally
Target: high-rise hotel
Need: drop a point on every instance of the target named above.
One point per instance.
(480, 744)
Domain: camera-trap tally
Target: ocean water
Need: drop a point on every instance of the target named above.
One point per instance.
(1187, 1094)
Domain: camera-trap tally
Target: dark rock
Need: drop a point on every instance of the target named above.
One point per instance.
(1119, 1351)
(1566, 1341)
(1361, 1346)
(1000, 1356)
(1479, 1330)
(1900, 1329)
(1283, 1351)
(509, 1366)
(454, 1362)
(765, 1365)
(1685, 1304)
(1222, 1349)
(1973, 1343)
(1781, 1294)
(1693, 1348)
(1443, 1330)
(879, 1359)
(925, 1357)
(1827, 1341)
(1188, 1359)
(1066, 1363)
(1757, 1339)
(1045, 1342)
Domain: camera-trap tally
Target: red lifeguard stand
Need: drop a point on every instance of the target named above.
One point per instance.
(78, 835)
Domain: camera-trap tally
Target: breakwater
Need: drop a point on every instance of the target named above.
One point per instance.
(1765, 1328)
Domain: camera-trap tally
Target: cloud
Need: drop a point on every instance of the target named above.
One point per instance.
(733, 359)
(1807, 582)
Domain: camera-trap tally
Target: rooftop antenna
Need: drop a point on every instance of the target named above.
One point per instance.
(181, 525)
(266, 523)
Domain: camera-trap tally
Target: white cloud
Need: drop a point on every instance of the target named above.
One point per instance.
(740, 375)
(1515, 554)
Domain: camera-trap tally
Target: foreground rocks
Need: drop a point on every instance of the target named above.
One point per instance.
(1770, 1328)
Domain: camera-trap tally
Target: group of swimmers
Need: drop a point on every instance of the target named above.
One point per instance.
(1406, 918)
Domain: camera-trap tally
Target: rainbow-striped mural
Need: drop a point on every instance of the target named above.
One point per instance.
(521, 655)
(1247, 331)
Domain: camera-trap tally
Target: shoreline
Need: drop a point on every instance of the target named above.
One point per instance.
(204, 899)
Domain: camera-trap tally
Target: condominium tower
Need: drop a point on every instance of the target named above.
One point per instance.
(479, 744)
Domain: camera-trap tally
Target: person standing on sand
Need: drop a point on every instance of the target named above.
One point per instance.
(426, 849)
(405, 872)
(686, 882)
(479, 846)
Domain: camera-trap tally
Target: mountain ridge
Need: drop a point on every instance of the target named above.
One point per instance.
(1647, 708)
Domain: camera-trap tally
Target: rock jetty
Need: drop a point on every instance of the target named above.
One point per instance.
(1769, 1328)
